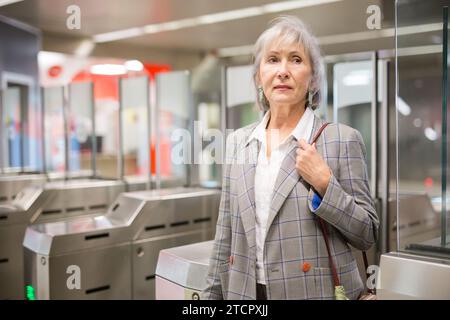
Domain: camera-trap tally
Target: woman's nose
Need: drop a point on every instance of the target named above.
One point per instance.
(283, 71)
(283, 75)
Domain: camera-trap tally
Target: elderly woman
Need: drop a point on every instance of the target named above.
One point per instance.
(269, 243)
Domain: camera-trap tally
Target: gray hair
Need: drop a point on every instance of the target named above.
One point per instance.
(290, 29)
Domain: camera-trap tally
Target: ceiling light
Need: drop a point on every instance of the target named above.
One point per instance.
(120, 34)
(134, 65)
(231, 15)
(431, 134)
(403, 107)
(357, 78)
(294, 4)
(235, 51)
(170, 26)
(108, 69)
(209, 19)
(6, 2)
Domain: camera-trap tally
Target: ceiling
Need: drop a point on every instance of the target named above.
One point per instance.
(102, 16)
(345, 17)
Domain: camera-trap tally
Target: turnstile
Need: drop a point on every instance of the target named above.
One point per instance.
(181, 272)
(404, 276)
(12, 184)
(52, 201)
(114, 256)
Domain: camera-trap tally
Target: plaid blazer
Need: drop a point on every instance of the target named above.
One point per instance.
(295, 256)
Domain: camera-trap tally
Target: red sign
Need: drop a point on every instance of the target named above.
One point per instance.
(54, 71)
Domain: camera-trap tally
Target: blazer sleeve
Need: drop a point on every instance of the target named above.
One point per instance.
(347, 203)
(222, 241)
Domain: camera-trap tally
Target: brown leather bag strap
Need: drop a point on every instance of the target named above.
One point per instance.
(318, 133)
(325, 232)
(366, 263)
(330, 259)
(323, 225)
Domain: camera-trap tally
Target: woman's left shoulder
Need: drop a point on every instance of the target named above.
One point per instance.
(344, 132)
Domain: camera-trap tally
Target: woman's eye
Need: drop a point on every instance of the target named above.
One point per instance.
(297, 60)
(272, 59)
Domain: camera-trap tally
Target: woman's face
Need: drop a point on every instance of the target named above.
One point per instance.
(285, 74)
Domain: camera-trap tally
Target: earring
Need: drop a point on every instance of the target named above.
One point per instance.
(260, 94)
(310, 98)
(262, 99)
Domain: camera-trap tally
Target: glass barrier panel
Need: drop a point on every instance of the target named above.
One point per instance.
(54, 135)
(352, 100)
(173, 127)
(206, 87)
(135, 126)
(106, 101)
(80, 127)
(421, 147)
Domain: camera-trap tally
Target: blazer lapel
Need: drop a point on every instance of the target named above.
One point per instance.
(288, 176)
(246, 190)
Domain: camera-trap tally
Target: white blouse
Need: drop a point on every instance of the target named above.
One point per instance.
(266, 175)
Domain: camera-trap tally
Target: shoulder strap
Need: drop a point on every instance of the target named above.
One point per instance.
(319, 132)
(323, 226)
(330, 259)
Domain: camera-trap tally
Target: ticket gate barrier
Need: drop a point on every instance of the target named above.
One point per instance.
(114, 256)
(181, 271)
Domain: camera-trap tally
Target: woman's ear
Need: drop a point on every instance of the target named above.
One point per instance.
(257, 80)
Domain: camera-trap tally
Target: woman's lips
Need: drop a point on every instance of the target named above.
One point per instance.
(282, 87)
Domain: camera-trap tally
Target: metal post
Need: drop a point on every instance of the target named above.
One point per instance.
(66, 112)
(335, 99)
(121, 164)
(444, 127)
(374, 127)
(149, 133)
(192, 167)
(23, 122)
(93, 135)
(44, 159)
(2, 138)
(384, 159)
(157, 136)
(223, 124)
(397, 130)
